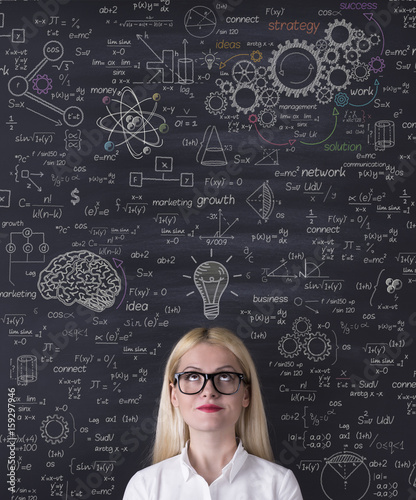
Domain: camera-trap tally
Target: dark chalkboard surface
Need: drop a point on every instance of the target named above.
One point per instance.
(151, 149)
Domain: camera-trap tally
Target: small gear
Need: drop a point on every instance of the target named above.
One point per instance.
(269, 98)
(42, 84)
(376, 65)
(267, 118)
(363, 45)
(357, 34)
(302, 325)
(244, 71)
(360, 72)
(352, 56)
(331, 56)
(225, 85)
(341, 99)
(375, 39)
(215, 103)
(324, 95)
(256, 56)
(262, 78)
(322, 45)
(54, 429)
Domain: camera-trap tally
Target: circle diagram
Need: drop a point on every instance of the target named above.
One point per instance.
(345, 476)
(200, 21)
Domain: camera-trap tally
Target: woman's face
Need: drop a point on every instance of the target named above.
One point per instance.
(210, 411)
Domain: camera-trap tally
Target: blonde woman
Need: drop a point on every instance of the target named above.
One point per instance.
(211, 437)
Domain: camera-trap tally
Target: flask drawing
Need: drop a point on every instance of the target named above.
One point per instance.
(211, 279)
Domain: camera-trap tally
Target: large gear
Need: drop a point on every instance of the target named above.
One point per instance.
(317, 347)
(302, 56)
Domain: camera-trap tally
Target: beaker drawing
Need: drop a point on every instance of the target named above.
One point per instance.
(384, 135)
(27, 369)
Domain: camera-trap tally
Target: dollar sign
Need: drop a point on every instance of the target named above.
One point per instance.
(76, 198)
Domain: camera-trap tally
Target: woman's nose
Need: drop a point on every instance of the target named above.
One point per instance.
(209, 389)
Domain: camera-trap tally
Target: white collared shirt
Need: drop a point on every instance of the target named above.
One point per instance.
(245, 477)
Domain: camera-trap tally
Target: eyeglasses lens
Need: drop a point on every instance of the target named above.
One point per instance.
(225, 383)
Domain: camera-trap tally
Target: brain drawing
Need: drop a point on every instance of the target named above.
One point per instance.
(80, 277)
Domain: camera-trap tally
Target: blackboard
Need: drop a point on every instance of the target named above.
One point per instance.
(151, 149)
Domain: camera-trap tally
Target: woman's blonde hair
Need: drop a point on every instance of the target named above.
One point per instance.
(172, 432)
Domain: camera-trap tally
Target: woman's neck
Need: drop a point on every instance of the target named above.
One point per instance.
(209, 454)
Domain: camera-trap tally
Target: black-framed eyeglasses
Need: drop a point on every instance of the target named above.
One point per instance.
(224, 382)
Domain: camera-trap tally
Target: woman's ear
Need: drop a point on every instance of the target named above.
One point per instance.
(246, 396)
(173, 396)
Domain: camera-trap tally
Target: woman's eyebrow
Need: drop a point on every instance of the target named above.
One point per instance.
(195, 368)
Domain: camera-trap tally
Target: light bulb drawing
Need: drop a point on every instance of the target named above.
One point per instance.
(211, 279)
(210, 59)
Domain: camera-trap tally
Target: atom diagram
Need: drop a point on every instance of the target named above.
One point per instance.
(138, 126)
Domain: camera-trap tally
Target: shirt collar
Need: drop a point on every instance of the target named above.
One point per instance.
(229, 471)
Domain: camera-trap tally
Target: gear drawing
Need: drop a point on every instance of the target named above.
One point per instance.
(360, 72)
(302, 325)
(54, 429)
(244, 72)
(215, 103)
(338, 77)
(363, 45)
(376, 65)
(42, 84)
(289, 346)
(256, 56)
(225, 85)
(267, 118)
(269, 98)
(305, 59)
(245, 98)
(316, 347)
(340, 34)
(324, 95)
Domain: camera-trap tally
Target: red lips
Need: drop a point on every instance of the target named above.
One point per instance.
(209, 408)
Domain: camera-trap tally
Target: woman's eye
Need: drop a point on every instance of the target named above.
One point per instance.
(192, 377)
(225, 377)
